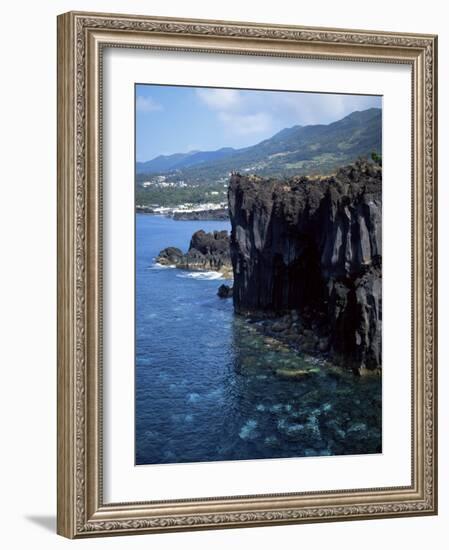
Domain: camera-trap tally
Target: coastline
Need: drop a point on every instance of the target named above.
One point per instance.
(202, 212)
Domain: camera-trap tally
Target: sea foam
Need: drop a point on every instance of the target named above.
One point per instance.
(201, 275)
(156, 265)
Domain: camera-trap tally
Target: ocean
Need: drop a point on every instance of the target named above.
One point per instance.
(207, 384)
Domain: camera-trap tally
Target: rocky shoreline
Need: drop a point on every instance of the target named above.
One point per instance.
(306, 256)
(219, 214)
(300, 333)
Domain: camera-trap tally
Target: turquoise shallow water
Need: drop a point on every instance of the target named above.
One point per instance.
(208, 385)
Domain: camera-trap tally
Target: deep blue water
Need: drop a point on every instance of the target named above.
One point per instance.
(206, 382)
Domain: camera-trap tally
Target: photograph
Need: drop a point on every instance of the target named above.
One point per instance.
(258, 274)
(221, 302)
(247, 273)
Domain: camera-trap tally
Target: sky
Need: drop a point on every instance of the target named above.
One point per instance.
(178, 119)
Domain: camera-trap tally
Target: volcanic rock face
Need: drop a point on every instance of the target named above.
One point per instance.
(313, 246)
(207, 251)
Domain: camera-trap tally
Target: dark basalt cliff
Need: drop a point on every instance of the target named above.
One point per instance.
(207, 251)
(313, 247)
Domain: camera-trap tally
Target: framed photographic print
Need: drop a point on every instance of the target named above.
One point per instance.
(246, 274)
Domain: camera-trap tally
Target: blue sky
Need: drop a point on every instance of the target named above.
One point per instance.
(177, 119)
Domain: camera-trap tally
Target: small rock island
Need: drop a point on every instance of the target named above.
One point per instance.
(207, 252)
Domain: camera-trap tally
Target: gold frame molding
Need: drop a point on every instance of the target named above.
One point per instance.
(81, 38)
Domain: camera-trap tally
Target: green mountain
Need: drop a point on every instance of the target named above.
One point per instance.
(299, 150)
(166, 163)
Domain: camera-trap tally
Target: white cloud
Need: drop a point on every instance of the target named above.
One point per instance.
(234, 110)
(259, 114)
(146, 104)
(321, 108)
(244, 124)
(306, 108)
(219, 99)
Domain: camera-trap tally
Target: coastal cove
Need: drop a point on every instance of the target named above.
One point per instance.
(210, 386)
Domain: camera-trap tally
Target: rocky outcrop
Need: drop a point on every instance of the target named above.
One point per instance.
(170, 256)
(224, 291)
(207, 252)
(313, 246)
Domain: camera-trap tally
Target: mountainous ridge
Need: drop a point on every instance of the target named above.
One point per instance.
(298, 149)
(176, 161)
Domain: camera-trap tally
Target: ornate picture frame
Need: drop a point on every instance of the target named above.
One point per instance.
(82, 38)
